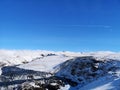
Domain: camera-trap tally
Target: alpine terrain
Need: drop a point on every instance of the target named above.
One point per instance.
(49, 70)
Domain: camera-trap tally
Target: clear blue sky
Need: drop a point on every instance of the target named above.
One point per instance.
(74, 25)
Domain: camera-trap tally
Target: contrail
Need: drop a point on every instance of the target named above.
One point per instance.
(104, 26)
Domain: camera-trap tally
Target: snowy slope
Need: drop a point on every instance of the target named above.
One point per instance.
(46, 64)
(104, 83)
(14, 57)
(99, 72)
(90, 73)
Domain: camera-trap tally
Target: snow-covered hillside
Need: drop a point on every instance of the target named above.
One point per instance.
(79, 70)
(14, 57)
(46, 64)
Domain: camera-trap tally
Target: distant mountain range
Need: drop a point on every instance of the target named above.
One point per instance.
(78, 70)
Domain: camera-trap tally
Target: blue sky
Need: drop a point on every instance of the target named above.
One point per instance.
(74, 25)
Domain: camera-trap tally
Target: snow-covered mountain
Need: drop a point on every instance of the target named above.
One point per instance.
(13, 57)
(80, 70)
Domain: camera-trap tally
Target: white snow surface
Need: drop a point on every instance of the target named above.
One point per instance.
(104, 83)
(14, 57)
(48, 64)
